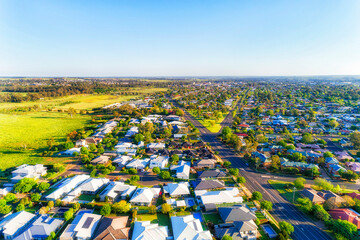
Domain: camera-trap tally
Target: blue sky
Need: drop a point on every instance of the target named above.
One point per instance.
(179, 37)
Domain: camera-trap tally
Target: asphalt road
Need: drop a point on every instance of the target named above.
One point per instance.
(304, 227)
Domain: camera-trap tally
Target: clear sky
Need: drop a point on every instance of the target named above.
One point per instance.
(179, 37)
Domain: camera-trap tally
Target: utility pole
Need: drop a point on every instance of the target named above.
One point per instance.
(294, 195)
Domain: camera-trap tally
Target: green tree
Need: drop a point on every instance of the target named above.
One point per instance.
(307, 138)
(105, 210)
(256, 196)
(20, 207)
(132, 171)
(35, 197)
(234, 171)
(323, 184)
(156, 170)
(345, 228)
(121, 207)
(320, 212)
(152, 209)
(286, 228)
(69, 214)
(355, 139)
(50, 204)
(25, 185)
(227, 164)
(138, 138)
(305, 204)
(299, 183)
(10, 197)
(165, 175)
(267, 205)
(166, 208)
(43, 186)
(241, 180)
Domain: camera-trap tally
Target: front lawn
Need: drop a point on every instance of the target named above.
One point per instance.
(287, 193)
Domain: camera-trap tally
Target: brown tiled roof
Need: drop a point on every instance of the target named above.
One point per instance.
(112, 228)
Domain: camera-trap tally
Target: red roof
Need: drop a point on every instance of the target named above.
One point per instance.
(346, 214)
(242, 134)
(244, 125)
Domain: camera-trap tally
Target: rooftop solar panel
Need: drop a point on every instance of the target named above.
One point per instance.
(88, 222)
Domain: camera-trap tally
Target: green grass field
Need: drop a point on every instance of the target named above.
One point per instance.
(280, 186)
(24, 136)
(81, 102)
(208, 122)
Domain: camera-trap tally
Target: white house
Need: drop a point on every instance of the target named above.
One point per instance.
(147, 231)
(229, 195)
(189, 228)
(82, 227)
(159, 161)
(182, 170)
(90, 186)
(156, 145)
(71, 151)
(138, 163)
(41, 228)
(144, 196)
(13, 224)
(132, 131)
(121, 161)
(116, 189)
(66, 186)
(28, 171)
(177, 189)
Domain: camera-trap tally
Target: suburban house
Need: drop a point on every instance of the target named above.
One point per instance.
(177, 189)
(156, 146)
(335, 170)
(204, 163)
(330, 195)
(312, 195)
(121, 161)
(144, 196)
(147, 231)
(90, 187)
(71, 151)
(208, 184)
(101, 160)
(13, 224)
(138, 163)
(229, 195)
(117, 189)
(354, 166)
(112, 228)
(41, 228)
(159, 161)
(188, 227)
(346, 214)
(182, 170)
(82, 227)
(238, 230)
(212, 174)
(132, 131)
(236, 213)
(65, 186)
(28, 171)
